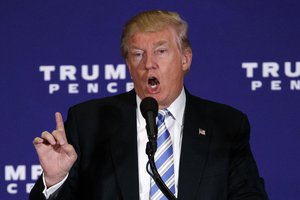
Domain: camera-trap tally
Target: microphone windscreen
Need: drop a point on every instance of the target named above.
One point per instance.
(149, 104)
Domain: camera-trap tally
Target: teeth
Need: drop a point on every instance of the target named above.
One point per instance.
(153, 82)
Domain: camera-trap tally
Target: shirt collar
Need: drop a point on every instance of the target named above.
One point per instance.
(176, 108)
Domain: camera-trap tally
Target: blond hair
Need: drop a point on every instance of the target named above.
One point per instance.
(152, 21)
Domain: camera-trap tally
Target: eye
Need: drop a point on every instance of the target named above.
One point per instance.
(137, 54)
(161, 51)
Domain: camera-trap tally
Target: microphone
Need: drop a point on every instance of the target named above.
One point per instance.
(149, 109)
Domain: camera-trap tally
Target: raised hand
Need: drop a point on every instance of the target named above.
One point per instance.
(56, 155)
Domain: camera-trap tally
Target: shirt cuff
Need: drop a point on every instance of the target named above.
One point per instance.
(49, 191)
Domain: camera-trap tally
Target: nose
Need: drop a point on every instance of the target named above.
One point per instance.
(149, 61)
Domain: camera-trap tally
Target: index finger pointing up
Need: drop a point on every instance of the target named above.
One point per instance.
(59, 122)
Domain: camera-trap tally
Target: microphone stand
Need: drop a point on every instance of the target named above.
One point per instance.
(150, 151)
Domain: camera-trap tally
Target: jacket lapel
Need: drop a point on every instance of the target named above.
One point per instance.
(124, 148)
(195, 145)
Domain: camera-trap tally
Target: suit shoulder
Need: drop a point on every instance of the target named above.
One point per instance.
(216, 108)
(105, 102)
(219, 115)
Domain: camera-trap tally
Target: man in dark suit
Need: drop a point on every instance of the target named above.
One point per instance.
(99, 152)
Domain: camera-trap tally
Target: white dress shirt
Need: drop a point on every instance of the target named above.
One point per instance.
(175, 127)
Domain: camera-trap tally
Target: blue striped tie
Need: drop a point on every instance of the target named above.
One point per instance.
(163, 158)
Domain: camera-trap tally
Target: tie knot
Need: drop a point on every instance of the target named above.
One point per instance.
(162, 114)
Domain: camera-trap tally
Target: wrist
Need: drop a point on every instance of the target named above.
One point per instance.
(53, 180)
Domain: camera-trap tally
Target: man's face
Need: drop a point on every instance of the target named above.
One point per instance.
(157, 65)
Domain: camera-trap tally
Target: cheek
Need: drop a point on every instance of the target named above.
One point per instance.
(136, 75)
(174, 69)
(132, 70)
(174, 77)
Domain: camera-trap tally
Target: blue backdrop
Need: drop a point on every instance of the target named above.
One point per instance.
(54, 54)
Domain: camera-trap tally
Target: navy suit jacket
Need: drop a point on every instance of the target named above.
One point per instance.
(215, 166)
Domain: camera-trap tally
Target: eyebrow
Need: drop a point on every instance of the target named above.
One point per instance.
(156, 44)
(160, 43)
(133, 48)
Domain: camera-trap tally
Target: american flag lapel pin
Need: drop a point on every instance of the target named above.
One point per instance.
(202, 132)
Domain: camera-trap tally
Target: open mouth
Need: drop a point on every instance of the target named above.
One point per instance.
(153, 82)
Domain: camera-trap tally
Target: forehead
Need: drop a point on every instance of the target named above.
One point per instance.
(153, 38)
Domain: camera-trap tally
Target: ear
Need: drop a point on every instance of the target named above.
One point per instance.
(187, 55)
